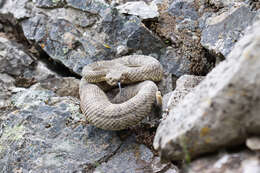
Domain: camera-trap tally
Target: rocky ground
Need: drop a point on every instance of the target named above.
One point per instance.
(210, 118)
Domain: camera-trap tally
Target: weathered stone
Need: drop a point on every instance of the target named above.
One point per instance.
(131, 157)
(241, 162)
(18, 8)
(226, 101)
(91, 6)
(179, 25)
(81, 33)
(6, 84)
(158, 167)
(166, 84)
(139, 8)
(184, 85)
(175, 63)
(49, 4)
(66, 86)
(224, 30)
(47, 134)
(16, 62)
(13, 60)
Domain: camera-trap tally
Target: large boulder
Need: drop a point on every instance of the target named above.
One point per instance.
(223, 110)
(47, 133)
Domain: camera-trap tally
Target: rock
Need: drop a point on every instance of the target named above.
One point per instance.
(66, 86)
(121, 50)
(82, 32)
(93, 6)
(16, 62)
(13, 60)
(139, 8)
(49, 4)
(175, 63)
(179, 25)
(253, 143)
(6, 84)
(184, 85)
(47, 134)
(223, 30)
(132, 157)
(18, 8)
(157, 166)
(201, 33)
(243, 161)
(226, 101)
(166, 84)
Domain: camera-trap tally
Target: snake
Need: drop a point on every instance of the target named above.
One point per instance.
(137, 73)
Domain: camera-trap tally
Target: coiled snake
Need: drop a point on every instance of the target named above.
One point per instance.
(129, 106)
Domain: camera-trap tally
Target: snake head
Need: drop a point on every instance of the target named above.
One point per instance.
(113, 77)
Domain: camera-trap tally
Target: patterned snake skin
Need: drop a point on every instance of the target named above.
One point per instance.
(129, 106)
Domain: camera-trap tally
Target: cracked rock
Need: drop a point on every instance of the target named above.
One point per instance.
(243, 161)
(224, 30)
(184, 85)
(82, 32)
(46, 134)
(139, 8)
(221, 111)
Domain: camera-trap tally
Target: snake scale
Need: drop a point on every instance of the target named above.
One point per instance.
(129, 106)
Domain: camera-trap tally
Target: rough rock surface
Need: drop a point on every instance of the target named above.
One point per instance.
(42, 129)
(240, 162)
(139, 8)
(132, 157)
(226, 101)
(46, 133)
(183, 86)
(16, 63)
(223, 30)
(202, 33)
(82, 32)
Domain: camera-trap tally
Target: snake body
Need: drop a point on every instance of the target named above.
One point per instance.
(132, 104)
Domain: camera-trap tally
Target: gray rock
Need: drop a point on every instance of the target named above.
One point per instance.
(166, 84)
(131, 157)
(158, 167)
(66, 86)
(175, 63)
(184, 85)
(6, 84)
(17, 63)
(242, 162)
(82, 32)
(184, 9)
(179, 25)
(93, 6)
(18, 8)
(47, 134)
(226, 101)
(224, 30)
(49, 4)
(13, 60)
(139, 8)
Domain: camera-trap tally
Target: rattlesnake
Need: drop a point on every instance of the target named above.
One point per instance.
(132, 104)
